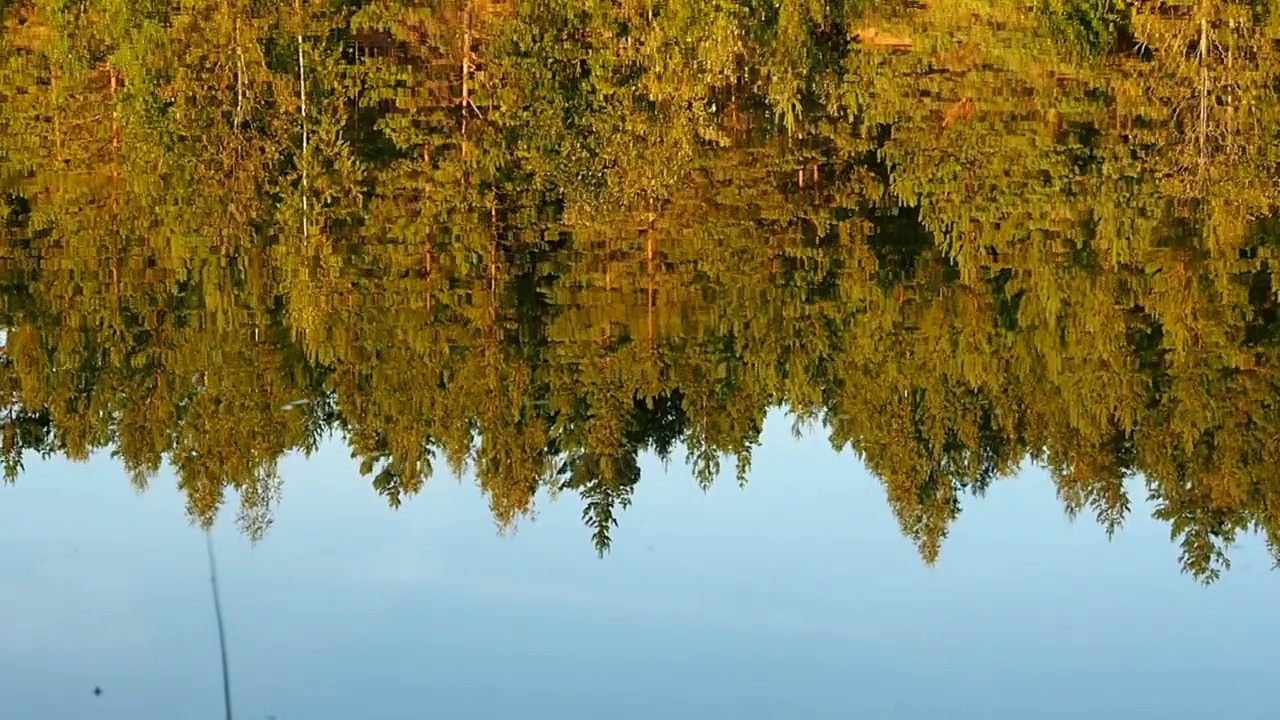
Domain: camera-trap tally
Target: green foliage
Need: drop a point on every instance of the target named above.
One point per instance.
(536, 239)
(1092, 27)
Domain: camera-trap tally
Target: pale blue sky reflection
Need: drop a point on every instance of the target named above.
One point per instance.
(795, 597)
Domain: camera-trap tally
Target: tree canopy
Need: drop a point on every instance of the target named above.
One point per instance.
(537, 238)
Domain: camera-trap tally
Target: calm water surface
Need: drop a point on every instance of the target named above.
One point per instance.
(758, 358)
(796, 597)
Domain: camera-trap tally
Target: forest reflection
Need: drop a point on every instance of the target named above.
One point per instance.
(536, 238)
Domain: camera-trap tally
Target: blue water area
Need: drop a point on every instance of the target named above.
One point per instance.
(794, 597)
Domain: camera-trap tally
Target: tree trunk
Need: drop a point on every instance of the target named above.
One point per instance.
(302, 97)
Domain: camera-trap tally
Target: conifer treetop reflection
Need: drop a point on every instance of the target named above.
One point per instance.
(537, 238)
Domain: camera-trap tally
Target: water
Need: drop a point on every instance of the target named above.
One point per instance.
(284, 272)
(796, 596)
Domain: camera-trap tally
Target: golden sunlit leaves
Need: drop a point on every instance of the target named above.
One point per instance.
(539, 239)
